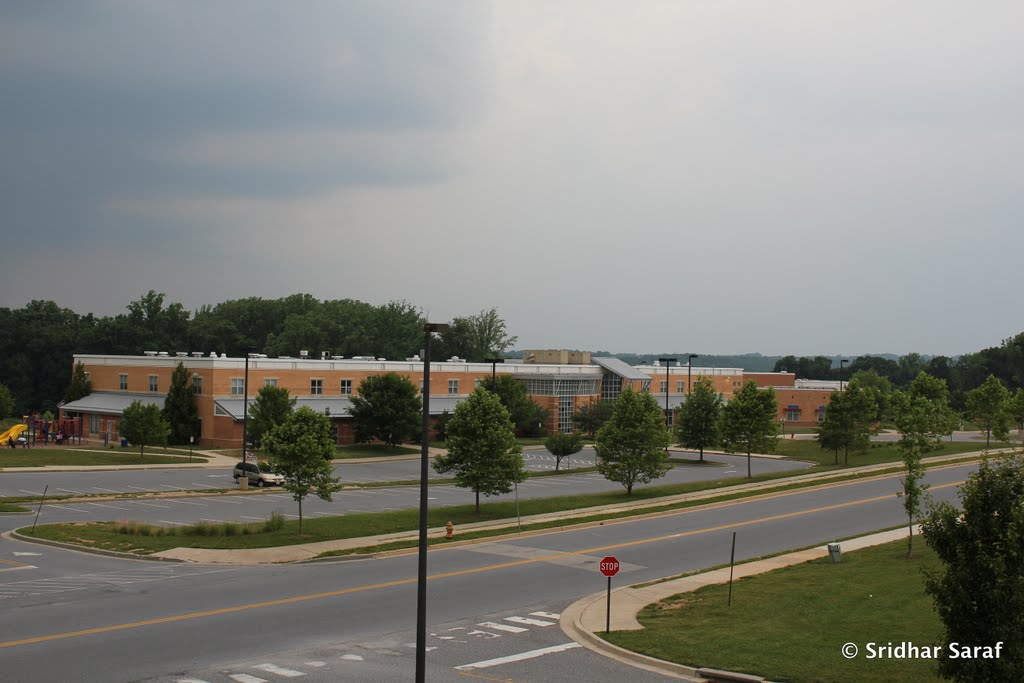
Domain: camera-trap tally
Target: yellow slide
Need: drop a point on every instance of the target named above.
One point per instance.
(12, 434)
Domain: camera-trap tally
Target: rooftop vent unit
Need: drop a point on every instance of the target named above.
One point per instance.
(197, 354)
(456, 359)
(337, 357)
(303, 353)
(181, 354)
(151, 354)
(223, 355)
(323, 355)
(213, 354)
(364, 358)
(286, 357)
(414, 358)
(382, 359)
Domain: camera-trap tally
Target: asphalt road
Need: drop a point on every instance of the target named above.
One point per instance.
(492, 606)
(259, 505)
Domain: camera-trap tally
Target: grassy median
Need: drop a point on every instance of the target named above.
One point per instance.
(42, 456)
(790, 624)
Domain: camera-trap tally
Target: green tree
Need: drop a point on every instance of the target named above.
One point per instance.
(6, 402)
(748, 421)
(988, 407)
(878, 386)
(698, 420)
(524, 413)
(979, 591)
(270, 408)
(592, 416)
(922, 416)
(300, 449)
(631, 445)
(476, 337)
(143, 425)
(80, 386)
(388, 407)
(1015, 407)
(482, 449)
(848, 422)
(563, 445)
(180, 409)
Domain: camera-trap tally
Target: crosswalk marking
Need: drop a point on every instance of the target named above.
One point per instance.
(547, 615)
(503, 627)
(280, 671)
(246, 678)
(528, 621)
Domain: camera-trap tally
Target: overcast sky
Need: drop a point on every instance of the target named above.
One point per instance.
(715, 177)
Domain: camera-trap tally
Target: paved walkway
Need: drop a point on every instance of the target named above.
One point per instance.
(585, 619)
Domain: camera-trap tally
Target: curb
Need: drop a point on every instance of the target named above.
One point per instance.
(14, 535)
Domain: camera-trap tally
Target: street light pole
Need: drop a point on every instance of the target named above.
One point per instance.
(494, 377)
(421, 578)
(667, 362)
(689, 369)
(842, 362)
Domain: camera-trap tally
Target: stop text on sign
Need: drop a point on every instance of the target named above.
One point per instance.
(609, 566)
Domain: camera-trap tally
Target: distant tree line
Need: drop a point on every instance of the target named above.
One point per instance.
(38, 340)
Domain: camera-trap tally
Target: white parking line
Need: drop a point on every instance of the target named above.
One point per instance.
(152, 505)
(246, 678)
(529, 621)
(547, 615)
(164, 521)
(519, 657)
(184, 502)
(280, 671)
(112, 507)
(222, 500)
(140, 488)
(502, 627)
(100, 488)
(34, 493)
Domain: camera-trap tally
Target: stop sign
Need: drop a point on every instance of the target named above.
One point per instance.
(609, 566)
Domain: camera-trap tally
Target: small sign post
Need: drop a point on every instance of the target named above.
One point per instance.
(609, 567)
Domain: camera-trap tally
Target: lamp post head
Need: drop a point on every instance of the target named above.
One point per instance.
(692, 356)
(436, 327)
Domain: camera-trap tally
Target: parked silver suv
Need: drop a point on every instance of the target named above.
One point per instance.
(259, 475)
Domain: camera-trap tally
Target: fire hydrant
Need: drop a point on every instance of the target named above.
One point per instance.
(450, 529)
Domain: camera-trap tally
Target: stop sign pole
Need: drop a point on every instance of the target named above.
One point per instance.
(609, 567)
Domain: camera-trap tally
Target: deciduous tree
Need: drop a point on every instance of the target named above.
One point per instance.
(80, 386)
(524, 413)
(482, 450)
(592, 416)
(388, 407)
(270, 408)
(143, 425)
(6, 402)
(988, 407)
(300, 449)
(562, 445)
(979, 591)
(631, 445)
(748, 421)
(848, 422)
(699, 419)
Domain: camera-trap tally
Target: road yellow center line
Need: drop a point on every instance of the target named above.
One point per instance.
(444, 575)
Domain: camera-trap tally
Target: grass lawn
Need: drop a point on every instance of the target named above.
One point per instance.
(374, 450)
(41, 456)
(789, 625)
(7, 507)
(877, 453)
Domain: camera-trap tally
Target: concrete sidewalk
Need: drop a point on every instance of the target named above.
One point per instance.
(585, 619)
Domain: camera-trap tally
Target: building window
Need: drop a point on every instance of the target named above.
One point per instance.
(792, 414)
(124, 382)
(821, 416)
(153, 383)
(94, 424)
(664, 387)
(270, 382)
(346, 387)
(668, 416)
(680, 387)
(237, 386)
(477, 383)
(453, 387)
(565, 412)
(197, 385)
(316, 387)
(611, 386)
(421, 387)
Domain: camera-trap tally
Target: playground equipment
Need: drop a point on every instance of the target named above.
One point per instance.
(12, 434)
(41, 429)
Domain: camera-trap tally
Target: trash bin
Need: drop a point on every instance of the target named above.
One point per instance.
(835, 552)
(124, 443)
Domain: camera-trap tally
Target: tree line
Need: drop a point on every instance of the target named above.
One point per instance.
(38, 340)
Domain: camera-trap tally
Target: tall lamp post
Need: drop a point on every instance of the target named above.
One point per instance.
(689, 370)
(421, 581)
(842, 363)
(667, 362)
(494, 376)
(245, 411)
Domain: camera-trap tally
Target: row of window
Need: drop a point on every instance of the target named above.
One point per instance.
(154, 383)
(316, 386)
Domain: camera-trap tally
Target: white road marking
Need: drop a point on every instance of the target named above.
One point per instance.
(532, 654)
(503, 627)
(152, 505)
(246, 678)
(17, 554)
(529, 621)
(352, 658)
(140, 488)
(547, 615)
(250, 517)
(71, 491)
(164, 521)
(66, 507)
(280, 671)
(316, 663)
(100, 488)
(190, 680)
(184, 502)
(222, 500)
(34, 493)
(204, 486)
(112, 507)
